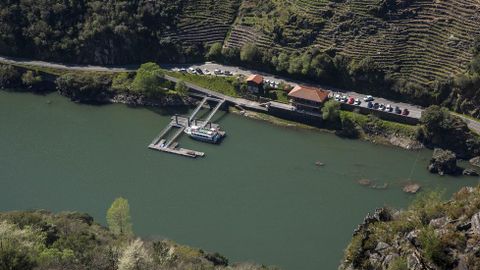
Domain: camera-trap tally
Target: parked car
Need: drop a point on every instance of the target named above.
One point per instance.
(397, 110)
(357, 102)
(206, 71)
(368, 98)
(376, 106)
(337, 97)
(405, 112)
(351, 100)
(389, 108)
(199, 71)
(382, 107)
(370, 105)
(217, 71)
(227, 73)
(183, 70)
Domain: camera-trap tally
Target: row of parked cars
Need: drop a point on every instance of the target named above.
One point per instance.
(271, 84)
(371, 104)
(348, 100)
(199, 71)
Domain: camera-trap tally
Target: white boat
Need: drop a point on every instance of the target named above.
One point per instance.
(209, 135)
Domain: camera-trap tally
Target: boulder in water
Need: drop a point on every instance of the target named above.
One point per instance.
(364, 182)
(470, 172)
(411, 188)
(443, 162)
(319, 164)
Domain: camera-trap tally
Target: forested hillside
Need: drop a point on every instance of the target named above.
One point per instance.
(406, 49)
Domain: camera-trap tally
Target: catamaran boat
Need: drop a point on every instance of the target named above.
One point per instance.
(209, 135)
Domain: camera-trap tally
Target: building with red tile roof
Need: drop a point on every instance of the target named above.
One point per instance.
(255, 84)
(308, 98)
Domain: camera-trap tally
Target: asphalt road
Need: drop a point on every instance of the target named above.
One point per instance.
(415, 111)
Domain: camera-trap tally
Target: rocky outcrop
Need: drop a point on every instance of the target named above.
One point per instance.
(475, 161)
(470, 172)
(381, 214)
(430, 235)
(443, 162)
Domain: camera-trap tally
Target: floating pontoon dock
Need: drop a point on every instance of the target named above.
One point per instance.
(180, 123)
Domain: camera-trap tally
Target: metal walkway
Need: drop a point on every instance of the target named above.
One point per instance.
(169, 145)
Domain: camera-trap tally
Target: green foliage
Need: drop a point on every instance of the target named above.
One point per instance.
(215, 52)
(122, 82)
(441, 129)
(249, 53)
(331, 111)
(349, 128)
(9, 76)
(148, 79)
(14, 258)
(93, 31)
(428, 206)
(85, 87)
(181, 88)
(399, 263)
(224, 85)
(118, 218)
(433, 248)
(353, 252)
(436, 119)
(42, 240)
(30, 79)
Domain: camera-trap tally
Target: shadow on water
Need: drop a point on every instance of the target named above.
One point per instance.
(169, 111)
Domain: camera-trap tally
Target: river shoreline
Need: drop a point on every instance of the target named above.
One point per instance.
(139, 100)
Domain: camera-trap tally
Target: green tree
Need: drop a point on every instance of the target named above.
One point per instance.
(122, 82)
(436, 118)
(30, 79)
(331, 111)
(118, 218)
(9, 76)
(215, 51)
(148, 78)
(249, 53)
(181, 88)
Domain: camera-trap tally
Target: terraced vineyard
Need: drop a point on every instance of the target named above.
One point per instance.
(420, 40)
(205, 21)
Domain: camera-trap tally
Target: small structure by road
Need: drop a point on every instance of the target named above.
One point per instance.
(308, 98)
(255, 84)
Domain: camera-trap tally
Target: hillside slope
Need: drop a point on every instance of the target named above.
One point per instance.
(421, 40)
(406, 49)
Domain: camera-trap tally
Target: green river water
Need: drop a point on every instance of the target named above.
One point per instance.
(256, 197)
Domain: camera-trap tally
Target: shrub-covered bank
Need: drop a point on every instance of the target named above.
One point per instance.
(70, 240)
(145, 87)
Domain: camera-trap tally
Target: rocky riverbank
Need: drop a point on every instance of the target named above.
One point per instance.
(430, 234)
(132, 99)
